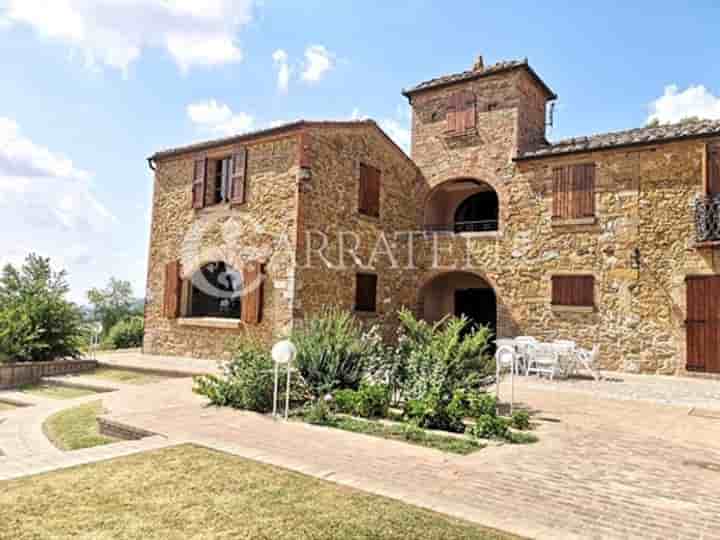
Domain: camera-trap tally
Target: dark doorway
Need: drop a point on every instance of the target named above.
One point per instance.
(478, 305)
(478, 213)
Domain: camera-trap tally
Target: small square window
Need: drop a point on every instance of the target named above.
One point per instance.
(366, 292)
(573, 291)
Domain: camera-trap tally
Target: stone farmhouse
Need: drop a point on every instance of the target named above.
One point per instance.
(609, 239)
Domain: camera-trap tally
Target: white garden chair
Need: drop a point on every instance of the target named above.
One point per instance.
(590, 360)
(567, 355)
(525, 347)
(544, 360)
(509, 343)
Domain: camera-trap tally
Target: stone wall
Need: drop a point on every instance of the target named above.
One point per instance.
(264, 228)
(644, 199)
(329, 205)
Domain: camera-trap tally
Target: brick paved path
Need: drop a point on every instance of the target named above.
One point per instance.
(604, 468)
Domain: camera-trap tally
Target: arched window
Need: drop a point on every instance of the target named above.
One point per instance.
(215, 291)
(479, 212)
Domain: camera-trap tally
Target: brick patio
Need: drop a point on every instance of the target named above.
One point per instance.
(612, 462)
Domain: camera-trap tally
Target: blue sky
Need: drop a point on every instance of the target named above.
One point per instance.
(91, 88)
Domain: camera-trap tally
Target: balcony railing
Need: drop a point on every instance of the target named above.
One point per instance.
(707, 218)
(465, 226)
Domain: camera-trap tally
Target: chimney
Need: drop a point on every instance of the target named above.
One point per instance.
(479, 65)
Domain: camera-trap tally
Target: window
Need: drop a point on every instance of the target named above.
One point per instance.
(461, 112)
(369, 196)
(574, 191)
(573, 291)
(712, 174)
(221, 180)
(478, 213)
(215, 291)
(365, 292)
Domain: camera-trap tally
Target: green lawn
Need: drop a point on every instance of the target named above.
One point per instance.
(126, 376)
(56, 391)
(76, 428)
(188, 492)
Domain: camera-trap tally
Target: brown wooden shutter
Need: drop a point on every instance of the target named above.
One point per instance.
(469, 110)
(574, 191)
(578, 291)
(560, 192)
(366, 292)
(369, 191)
(238, 176)
(253, 284)
(173, 286)
(198, 182)
(713, 169)
(452, 113)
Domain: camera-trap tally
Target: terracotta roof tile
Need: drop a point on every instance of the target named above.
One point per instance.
(630, 137)
(499, 67)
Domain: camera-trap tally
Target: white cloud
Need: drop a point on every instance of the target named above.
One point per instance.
(398, 128)
(218, 118)
(673, 105)
(280, 59)
(318, 61)
(115, 32)
(47, 206)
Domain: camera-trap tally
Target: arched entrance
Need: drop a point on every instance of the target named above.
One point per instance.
(459, 293)
(462, 205)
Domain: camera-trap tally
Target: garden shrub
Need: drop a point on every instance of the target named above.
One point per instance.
(412, 432)
(318, 413)
(334, 351)
(345, 401)
(372, 400)
(126, 334)
(521, 420)
(248, 381)
(438, 360)
(490, 427)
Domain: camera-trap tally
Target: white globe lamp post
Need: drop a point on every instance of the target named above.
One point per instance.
(283, 352)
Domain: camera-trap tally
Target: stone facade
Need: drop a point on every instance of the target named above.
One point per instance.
(303, 183)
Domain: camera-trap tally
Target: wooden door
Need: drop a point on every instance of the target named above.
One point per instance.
(703, 323)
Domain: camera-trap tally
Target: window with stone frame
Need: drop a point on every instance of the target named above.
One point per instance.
(215, 290)
(366, 292)
(573, 291)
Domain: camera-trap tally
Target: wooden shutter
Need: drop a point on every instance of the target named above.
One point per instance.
(366, 292)
(561, 194)
(574, 191)
(253, 283)
(173, 286)
(198, 182)
(577, 291)
(452, 113)
(369, 191)
(238, 175)
(468, 110)
(712, 181)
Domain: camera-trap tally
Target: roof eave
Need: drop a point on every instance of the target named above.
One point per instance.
(548, 91)
(617, 146)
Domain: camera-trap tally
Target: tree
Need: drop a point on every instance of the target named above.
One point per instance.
(112, 304)
(37, 322)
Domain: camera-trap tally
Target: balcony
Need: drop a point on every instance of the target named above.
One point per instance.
(487, 225)
(707, 219)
